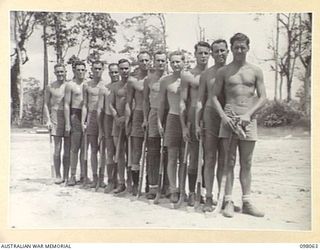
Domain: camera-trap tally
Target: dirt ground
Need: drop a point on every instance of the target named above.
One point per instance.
(281, 186)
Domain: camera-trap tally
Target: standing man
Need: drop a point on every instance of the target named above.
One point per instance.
(105, 127)
(239, 81)
(73, 102)
(54, 98)
(205, 111)
(189, 95)
(170, 95)
(117, 106)
(135, 113)
(90, 115)
(150, 108)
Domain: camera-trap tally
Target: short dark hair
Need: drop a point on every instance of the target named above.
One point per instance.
(112, 64)
(202, 44)
(177, 53)
(239, 37)
(59, 65)
(144, 52)
(76, 63)
(219, 41)
(123, 61)
(160, 52)
(97, 62)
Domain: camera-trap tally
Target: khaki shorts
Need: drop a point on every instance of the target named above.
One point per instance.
(58, 123)
(173, 132)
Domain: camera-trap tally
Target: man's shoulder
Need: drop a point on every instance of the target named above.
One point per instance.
(254, 67)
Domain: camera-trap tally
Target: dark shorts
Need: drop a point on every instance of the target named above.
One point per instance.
(137, 120)
(92, 125)
(107, 125)
(58, 123)
(211, 121)
(173, 132)
(75, 121)
(153, 130)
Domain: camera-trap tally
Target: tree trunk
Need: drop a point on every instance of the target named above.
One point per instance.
(280, 87)
(18, 67)
(288, 89)
(276, 61)
(15, 100)
(307, 85)
(45, 67)
(58, 42)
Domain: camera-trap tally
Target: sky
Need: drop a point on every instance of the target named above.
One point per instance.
(182, 33)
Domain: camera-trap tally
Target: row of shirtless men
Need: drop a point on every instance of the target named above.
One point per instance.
(163, 118)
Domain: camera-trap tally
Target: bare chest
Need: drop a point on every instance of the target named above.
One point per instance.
(241, 78)
(174, 87)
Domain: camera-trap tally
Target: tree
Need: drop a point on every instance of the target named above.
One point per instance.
(98, 30)
(147, 32)
(22, 26)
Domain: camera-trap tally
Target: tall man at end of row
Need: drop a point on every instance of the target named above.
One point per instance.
(244, 90)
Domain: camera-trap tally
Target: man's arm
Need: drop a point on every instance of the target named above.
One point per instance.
(202, 98)
(217, 89)
(162, 105)
(67, 103)
(99, 111)
(129, 100)
(112, 104)
(146, 102)
(84, 106)
(47, 97)
(183, 106)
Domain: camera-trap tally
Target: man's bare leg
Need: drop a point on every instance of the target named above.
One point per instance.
(246, 152)
(93, 142)
(66, 157)
(172, 173)
(192, 171)
(211, 144)
(231, 150)
(111, 165)
(57, 157)
(120, 165)
(136, 156)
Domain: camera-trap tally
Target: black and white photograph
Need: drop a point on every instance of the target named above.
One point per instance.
(160, 120)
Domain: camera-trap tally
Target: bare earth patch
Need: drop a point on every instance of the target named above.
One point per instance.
(281, 187)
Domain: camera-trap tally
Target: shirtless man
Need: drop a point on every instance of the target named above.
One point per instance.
(205, 111)
(150, 120)
(53, 106)
(135, 114)
(189, 94)
(89, 117)
(117, 106)
(105, 127)
(239, 81)
(170, 95)
(73, 102)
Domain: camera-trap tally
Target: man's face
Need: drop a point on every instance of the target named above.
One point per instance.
(176, 63)
(114, 73)
(124, 69)
(97, 70)
(202, 55)
(80, 72)
(239, 50)
(219, 53)
(160, 61)
(60, 73)
(144, 61)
